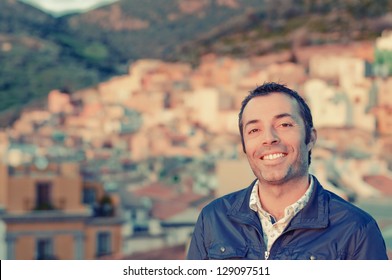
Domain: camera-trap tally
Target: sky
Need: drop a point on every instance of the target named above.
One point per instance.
(61, 7)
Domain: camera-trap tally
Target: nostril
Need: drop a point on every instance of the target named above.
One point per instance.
(271, 141)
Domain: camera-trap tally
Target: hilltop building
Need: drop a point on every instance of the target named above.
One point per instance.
(49, 212)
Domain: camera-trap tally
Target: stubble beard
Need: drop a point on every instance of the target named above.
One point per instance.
(280, 175)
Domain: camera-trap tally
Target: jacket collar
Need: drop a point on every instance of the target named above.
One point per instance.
(240, 210)
(313, 215)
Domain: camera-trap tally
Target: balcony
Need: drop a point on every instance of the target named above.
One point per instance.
(44, 207)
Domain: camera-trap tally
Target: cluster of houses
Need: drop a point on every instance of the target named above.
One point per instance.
(124, 167)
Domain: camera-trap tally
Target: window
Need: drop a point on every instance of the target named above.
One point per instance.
(43, 196)
(103, 243)
(89, 196)
(44, 249)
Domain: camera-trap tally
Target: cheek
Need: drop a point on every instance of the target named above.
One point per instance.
(297, 145)
(250, 146)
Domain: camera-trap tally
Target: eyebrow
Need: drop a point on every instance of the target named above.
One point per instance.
(277, 117)
(283, 115)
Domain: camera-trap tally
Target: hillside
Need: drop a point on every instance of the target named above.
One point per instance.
(289, 24)
(39, 52)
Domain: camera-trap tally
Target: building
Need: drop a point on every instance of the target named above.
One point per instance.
(383, 54)
(328, 105)
(49, 212)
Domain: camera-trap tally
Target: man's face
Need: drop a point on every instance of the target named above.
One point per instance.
(274, 137)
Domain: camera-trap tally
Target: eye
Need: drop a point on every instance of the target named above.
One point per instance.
(254, 130)
(286, 125)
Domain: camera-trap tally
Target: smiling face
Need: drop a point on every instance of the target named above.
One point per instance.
(274, 138)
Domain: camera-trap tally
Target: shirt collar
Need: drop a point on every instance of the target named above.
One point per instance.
(290, 211)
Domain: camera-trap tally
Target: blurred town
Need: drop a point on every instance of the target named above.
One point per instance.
(121, 170)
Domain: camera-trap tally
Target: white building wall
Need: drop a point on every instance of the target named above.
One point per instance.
(326, 110)
(229, 121)
(358, 101)
(205, 105)
(385, 41)
(324, 66)
(351, 71)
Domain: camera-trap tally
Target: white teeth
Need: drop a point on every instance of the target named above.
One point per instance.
(273, 156)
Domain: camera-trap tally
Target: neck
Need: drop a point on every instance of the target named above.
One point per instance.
(276, 197)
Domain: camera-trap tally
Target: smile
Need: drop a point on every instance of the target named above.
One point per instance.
(273, 156)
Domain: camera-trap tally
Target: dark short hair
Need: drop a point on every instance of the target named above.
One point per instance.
(267, 89)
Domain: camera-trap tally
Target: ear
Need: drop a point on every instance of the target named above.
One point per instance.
(313, 138)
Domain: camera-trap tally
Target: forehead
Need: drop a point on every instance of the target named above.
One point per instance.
(271, 105)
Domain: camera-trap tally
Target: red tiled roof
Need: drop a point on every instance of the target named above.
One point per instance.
(189, 197)
(157, 191)
(380, 182)
(167, 209)
(167, 200)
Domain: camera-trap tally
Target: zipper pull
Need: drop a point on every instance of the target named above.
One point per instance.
(266, 255)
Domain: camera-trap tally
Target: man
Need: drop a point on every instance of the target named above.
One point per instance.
(285, 213)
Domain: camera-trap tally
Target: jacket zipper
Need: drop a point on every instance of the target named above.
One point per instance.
(266, 255)
(266, 252)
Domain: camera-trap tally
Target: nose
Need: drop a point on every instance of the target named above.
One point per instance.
(270, 137)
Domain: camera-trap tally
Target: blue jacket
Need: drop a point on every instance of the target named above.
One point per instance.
(327, 228)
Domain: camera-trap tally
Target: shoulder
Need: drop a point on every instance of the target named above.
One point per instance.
(357, 228)
(343, 210)
(339, 209)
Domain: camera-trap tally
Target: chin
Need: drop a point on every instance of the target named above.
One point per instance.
(274, 181)
(274, 178)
